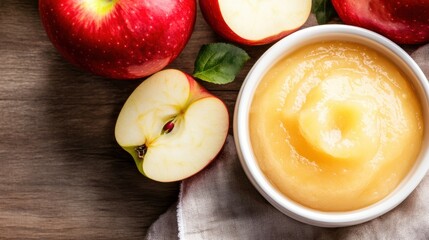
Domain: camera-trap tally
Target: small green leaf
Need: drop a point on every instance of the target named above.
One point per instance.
(219, 62)
(324, 10)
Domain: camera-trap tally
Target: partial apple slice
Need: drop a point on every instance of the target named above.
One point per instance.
(255, 22)
(172, 126)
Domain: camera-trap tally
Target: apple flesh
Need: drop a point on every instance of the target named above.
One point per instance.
(172, 126)
(255, 22)
(403, 21)
(121, 39)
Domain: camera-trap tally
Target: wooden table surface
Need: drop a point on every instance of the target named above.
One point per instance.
(62, 175)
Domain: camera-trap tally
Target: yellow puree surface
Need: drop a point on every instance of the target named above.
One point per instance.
(335, 126)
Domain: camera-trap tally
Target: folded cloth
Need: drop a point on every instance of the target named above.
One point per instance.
(221, 203)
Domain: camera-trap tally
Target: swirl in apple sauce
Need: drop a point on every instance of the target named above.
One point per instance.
(335, 126)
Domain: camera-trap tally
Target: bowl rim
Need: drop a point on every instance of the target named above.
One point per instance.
(242, 138)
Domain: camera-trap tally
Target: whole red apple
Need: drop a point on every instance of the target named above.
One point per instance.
(403, 21)
(122, 39)
(255, 22)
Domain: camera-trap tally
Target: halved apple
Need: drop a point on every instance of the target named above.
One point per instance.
(172, 126)
(255, 22)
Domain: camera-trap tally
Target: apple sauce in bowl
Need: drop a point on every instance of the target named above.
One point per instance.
(329, 125)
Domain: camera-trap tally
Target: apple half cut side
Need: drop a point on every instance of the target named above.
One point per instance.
(255, 22)
(172, 126)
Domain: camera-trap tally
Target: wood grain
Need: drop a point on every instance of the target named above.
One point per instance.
(62, 175)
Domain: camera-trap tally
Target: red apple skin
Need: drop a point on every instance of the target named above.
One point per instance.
(136, 39)
(403, 21)
(213, 16)
(196, 89)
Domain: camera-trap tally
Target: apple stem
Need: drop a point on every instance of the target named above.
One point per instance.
(168, 127)
(141, 151)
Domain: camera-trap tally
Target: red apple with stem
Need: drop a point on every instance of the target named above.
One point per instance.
(122, 39)
(255, 22)
(403, 21)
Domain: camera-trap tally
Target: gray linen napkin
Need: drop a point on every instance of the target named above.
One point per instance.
(221, 203)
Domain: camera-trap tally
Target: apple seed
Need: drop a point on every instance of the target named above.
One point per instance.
(168, 127)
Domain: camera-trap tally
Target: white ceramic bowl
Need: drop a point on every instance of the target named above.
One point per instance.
(241, 124)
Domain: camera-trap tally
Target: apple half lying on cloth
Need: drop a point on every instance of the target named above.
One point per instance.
(172, 126)
(255, 22)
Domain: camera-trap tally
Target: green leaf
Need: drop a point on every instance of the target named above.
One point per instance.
(324, 10)
(219, 63)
